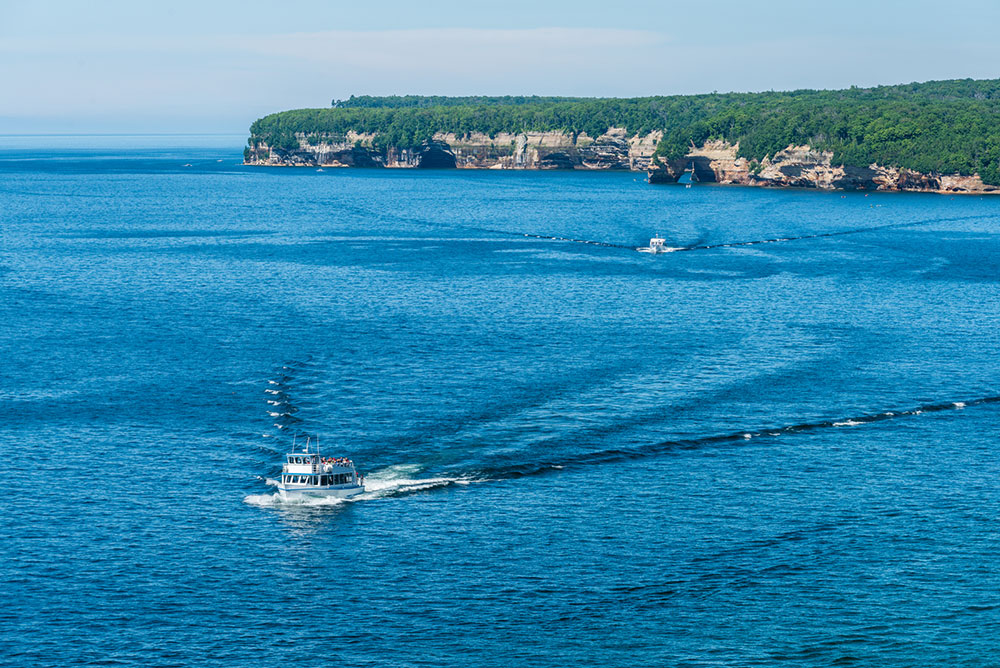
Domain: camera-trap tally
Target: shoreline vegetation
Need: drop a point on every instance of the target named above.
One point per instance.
(938, 136)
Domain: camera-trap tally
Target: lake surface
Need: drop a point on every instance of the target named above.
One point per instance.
(779, 453)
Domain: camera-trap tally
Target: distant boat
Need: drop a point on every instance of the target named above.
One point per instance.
(320, 169)
(656, 245)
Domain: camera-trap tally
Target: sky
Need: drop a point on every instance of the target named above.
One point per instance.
(213, 66)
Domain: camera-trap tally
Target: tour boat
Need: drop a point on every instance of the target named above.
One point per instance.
(309, 475)
(656, 245)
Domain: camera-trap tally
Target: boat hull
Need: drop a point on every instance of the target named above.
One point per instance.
(303, 494)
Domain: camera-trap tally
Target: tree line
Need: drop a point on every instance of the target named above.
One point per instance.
(939, 126)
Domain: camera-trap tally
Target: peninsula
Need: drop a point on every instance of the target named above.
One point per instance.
(938, 136)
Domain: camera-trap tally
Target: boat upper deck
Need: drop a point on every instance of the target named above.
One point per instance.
(311, 463)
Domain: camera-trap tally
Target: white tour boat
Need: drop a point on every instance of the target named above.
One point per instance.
(656, 245)
(309, 475)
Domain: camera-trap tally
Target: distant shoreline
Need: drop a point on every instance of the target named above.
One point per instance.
(938, 136)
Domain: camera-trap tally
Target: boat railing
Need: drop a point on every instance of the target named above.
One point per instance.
(318, 469)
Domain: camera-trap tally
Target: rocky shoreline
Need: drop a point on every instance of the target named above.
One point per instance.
(713, 162)
(614, 150)
(804, 167)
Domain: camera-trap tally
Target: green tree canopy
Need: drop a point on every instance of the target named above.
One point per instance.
(938, 126)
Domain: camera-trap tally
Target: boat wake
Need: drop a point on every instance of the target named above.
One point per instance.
(276, 501)
(378, 485)
(404, 479)
(824, 235)
(611, 456)
(698, 245)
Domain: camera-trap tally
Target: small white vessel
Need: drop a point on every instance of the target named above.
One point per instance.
(656, 245)
(310, 475)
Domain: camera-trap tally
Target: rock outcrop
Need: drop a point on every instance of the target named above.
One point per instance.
(615, 149)
(804, 167)
(714, 161)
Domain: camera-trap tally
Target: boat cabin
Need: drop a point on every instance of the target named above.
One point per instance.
(312, 470)
(320, 480)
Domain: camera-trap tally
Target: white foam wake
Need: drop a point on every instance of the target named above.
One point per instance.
(401, 479)
(275, 501)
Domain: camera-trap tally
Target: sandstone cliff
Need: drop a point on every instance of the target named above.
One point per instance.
(803, 167)
(531, 150)
(714, 161)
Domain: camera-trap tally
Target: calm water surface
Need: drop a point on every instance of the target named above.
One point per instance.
(779, 453)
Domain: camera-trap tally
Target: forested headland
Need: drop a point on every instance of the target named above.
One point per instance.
(944, 127)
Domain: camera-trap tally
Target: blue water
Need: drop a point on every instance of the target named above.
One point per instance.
(779, 453)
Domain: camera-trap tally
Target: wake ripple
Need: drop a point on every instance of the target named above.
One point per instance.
(401, 480)
(823, 235)
(639, 452)
(680, 249)
(509, 233)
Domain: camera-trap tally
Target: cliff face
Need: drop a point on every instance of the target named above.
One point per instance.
(713, 162)
(532, 150)
(803, 167)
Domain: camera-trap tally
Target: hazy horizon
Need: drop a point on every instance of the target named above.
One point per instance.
(121, 68)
